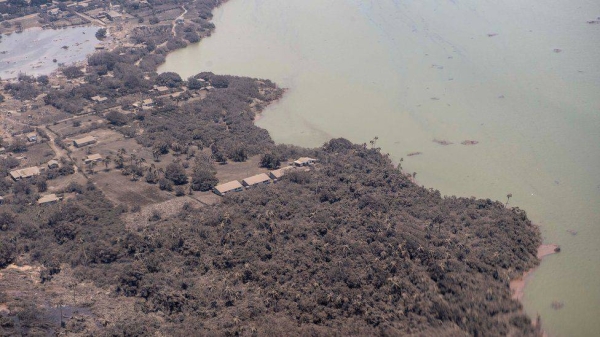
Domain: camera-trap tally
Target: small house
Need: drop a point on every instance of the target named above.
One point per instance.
(161, 89)
(147, 103)
(32, 137)
(99, 99)
(259, 179)
(277, 174)
(232, 186)
(304, 161)
(53, 164)
(25, 173)
(93, 158)
(81, 142)
(48, 199)
(113, 15)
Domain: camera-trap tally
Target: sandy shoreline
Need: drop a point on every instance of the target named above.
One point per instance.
(517, 286)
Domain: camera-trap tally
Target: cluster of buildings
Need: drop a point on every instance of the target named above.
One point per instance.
(33, 171)
(262, 178)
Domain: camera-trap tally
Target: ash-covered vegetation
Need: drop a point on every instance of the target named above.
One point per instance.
(222, 121)
(352, 247)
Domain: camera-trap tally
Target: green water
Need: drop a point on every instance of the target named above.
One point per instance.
(520, 77)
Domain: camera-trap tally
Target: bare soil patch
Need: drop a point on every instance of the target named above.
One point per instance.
(238, 171)
(122, 191)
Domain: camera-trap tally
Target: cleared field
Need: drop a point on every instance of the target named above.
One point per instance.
(38, 154)
(121, 190)
(76, 125)
(60, 183)
(238, 171)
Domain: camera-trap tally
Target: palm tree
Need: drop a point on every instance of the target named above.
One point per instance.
(373, 141)
(156, 154)
(508, 196)
(119, 161)
(91, 166)
(133, 158)
(107, 161)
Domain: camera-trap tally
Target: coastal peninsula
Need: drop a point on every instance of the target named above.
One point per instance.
(115, 219)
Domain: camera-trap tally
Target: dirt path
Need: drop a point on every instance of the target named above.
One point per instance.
(177, 18)
(60, 152)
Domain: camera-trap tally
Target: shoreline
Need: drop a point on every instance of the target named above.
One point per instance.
(517, 285)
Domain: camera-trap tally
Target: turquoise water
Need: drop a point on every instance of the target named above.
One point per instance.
(521, 78)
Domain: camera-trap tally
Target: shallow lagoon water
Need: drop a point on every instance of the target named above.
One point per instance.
(521, 78)
(32, 51)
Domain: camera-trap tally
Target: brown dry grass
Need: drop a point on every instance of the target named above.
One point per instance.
(238, 171)
(122, 191)
(37, 155)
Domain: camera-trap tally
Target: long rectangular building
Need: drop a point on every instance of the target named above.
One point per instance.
(232, 186)
(258, 179)
(81, 142)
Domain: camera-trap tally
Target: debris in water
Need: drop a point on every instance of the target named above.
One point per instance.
(470, 142)
(556, 50)
(572, 232)
(414, 154)
(557, 305)
(492, 34)
(442, 142)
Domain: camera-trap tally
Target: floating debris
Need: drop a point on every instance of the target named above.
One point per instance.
(469, 142)
(492, 34)
(572, 232)
(556, 50)
(557, 305)
(435, 98)
(442, 142)
(414, 154)
(501, 96)
(594, 22)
